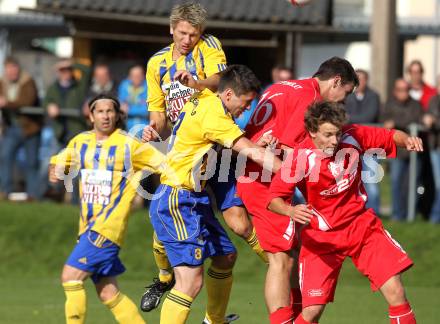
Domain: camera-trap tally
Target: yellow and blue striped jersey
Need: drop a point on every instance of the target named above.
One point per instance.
(203, 123)
(167, 95)
(109, 171)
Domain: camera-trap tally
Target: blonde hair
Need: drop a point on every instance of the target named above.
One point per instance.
(192, 12)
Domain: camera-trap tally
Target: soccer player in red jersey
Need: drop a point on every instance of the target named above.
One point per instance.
(326, 166)
(281, 112)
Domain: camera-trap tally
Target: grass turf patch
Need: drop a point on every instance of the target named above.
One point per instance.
(37, 238)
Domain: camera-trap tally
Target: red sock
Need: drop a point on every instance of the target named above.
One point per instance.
(282, 316)
(296, 301)
(300, 320)
(402, 314)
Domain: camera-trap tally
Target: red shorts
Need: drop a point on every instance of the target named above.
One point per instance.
(371, 248)
(276, 233)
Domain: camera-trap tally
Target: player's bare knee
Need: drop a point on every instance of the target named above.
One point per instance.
(242, 229)
(230, 259)
(393, 291)
(238, 221)
(313, 313)
(65, 275)
(395, 294)
(190, 287)
(280, 261)
(224, 261)
(106, 294)
(107, 289)
(197, 286)
(72, 274)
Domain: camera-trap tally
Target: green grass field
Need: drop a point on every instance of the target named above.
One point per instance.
(36, 239)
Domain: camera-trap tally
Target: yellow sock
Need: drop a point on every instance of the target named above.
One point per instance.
(175, 308)
(76, 302)
(252, 240)
(160, 256)
(218, 286)
(124, 310)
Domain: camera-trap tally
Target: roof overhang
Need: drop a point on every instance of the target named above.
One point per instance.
(164, 21)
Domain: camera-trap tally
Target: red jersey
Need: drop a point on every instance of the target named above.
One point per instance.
(427, 93)
(281, 110)
(332, 185)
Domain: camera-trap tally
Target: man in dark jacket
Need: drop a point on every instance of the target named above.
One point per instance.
(363, 107)
(63, 105)
(400, 111)
(17, 89)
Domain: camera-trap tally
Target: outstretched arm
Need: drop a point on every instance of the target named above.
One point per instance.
(299, 213)
(411, 143)
(258, 154)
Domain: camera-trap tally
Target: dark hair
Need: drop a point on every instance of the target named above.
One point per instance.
(11, 60)
(415, 62)
(116, 104)
(324, 112)
(337, 66)
(240, 79)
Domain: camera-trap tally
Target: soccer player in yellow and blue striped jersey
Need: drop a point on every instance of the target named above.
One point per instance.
(109, 162)
(190, 64)
(181, 212)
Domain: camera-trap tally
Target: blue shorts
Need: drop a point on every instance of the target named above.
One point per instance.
(95, 254)
(224, 187)
(185, 223)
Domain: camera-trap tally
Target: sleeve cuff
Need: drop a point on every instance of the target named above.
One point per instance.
(393, 152)
(159, 109)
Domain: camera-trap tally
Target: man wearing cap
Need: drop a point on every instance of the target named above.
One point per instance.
(67, 92)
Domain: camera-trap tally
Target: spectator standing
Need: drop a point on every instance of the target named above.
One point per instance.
(422, 92)
(400, 111)
(419, 89)
(18, 89)
(132, 94)
(363, 107)
(102, 83)
(432, 122)
(67, 92)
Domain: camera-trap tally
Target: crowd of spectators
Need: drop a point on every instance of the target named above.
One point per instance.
(29, 138)
(29, 135)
